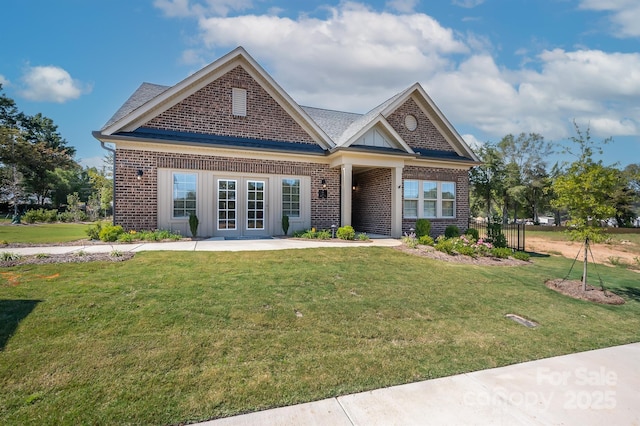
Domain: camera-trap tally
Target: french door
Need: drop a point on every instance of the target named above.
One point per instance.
(241, 207)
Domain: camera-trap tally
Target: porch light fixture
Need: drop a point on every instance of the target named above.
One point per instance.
(355, 186)
(139, 174)
(322, 193)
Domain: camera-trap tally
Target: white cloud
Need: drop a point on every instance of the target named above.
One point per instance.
(354, 50)
(624, 15)
(402, 6)
(97, 162)
(184, 8)
(4, 81)
(468, 4)
(51, 84)
(355, 58)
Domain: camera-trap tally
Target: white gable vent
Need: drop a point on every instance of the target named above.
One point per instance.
(239, 100)
(411, 122)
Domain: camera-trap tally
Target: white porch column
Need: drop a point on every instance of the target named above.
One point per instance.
(345, 196)
(396, 202)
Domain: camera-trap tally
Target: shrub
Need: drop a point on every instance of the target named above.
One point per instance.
(451, 231)
(65, 217)
(363, 236)
(9, 256)
(501, 252)
(42, 256)
(473, 233)
(285, 224)
(93, 232)
(426, 240)
(324, 235)
(40, 215)
(116, 253)
(193, 225)
(346, 233)
(444, 244)
(110, 233)
(126, 237)
(410, 240)
(500, 241)
(423, 227)
(521, 255)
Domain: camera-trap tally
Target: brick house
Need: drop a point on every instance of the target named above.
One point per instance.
(230, 145)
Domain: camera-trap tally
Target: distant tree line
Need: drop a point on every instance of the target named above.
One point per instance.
(517, 182)
(37, 166)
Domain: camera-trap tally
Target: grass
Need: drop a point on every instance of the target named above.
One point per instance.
(619, 239)
(42, 233)
(172, 337)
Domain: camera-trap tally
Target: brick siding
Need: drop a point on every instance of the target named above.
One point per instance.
(209, 111)
(425, 135)
(137, 201)
(461, 178)
(371, 202)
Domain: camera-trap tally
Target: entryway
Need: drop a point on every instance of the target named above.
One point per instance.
(240, 206)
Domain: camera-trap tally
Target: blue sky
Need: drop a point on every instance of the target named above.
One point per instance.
(492, 66)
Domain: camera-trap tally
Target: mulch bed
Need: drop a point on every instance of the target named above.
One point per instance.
(432, 253)
(68, 258)
(573, 288)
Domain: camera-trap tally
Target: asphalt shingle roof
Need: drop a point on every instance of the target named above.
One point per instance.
(142, 95)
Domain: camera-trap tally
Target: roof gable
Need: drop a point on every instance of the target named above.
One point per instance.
(149, 102)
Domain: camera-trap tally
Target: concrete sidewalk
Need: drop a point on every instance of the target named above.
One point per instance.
(600, 387)
(204, 245)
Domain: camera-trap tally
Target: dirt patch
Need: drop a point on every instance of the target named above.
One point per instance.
(432, 253)
(67, 258)
(602, 253)
(573, 288)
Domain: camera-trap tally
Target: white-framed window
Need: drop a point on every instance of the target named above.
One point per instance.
(291, 197)
(184, 194)
(429, 199)
(227, 206)
(239, 102)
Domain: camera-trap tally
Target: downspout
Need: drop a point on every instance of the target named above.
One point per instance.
(113, 222)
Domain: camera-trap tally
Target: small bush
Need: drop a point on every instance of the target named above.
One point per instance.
(501, 252)
(9, 256)
(426, 240)
(193, 225)
(126, 237)
(323, 235)
(444, 245)
(500, 241)
(42, 256)
(451, 231)
(423, 227)
(285, 224)
(467, 251)
(363, 236)
(520, 255)
(473, 233)
(116, 253)
(110, 233)
(410, 240)
(346, 233)
(93, 232)
(40, 215)
(65, 217)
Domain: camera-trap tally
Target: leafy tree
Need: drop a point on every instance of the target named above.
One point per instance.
(487, 180)
(585, 187)
(33, 148)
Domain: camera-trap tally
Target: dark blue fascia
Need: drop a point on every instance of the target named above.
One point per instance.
(222, 141)
(444, 155)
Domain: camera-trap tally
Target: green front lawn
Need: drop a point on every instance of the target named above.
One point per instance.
(172, 337)
(41, 233)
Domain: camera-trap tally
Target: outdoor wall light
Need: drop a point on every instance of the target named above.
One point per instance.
(322, 193)
(139, 174)
(355, 186)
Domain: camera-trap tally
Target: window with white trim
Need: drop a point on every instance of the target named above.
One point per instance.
(291, 198)
(239, 102)
(429, 199)
(184, 194)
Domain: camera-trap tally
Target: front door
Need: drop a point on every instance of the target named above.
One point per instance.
(241, 207)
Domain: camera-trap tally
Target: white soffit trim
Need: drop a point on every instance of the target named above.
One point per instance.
(382, 122)
(431, 110)
(208, 74)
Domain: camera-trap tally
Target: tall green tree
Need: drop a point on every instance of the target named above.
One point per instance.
(585, 186)
(487, 180)
(33, 147)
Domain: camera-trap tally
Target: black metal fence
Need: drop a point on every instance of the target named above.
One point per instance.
(513, 232)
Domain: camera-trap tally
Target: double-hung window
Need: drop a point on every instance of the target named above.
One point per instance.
(184, 194)
(429, 199)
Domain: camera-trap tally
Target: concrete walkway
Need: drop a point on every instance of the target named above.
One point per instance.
(600, 387)
(204, 245)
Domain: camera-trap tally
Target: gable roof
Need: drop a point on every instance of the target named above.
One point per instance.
(150, 100)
